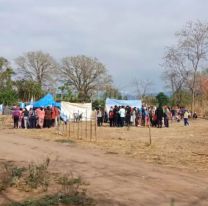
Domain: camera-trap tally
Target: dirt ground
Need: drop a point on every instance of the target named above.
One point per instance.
(121, 168)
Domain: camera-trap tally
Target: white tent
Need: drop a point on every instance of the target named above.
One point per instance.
(112, 102)
(70, 110)
(1, 108)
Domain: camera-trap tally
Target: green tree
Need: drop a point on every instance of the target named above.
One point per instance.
(27, 89)
(8, 95)
(98, 103)
(66, 94)
(181, 98)
(162, 99)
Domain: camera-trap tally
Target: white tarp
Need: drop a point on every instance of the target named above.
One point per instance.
(70, 110)
(1, 108)
(112, 102)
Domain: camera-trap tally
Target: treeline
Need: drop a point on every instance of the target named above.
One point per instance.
(82, 79)
(75, 79)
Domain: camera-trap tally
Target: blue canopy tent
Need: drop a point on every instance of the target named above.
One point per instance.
(112, 102)
(46, 101)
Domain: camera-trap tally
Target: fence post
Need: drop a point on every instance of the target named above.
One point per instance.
(69, 130)
(150, 135)
(90, 129)
(95, 126)
(78, 129)
(86, 126)
(81, 129)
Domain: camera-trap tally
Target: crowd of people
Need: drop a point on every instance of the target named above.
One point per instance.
(119, 116)
(35, 117)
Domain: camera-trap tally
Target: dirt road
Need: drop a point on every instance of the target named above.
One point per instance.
(113, 180)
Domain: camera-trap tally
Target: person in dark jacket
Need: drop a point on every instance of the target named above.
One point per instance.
(48, 117)
(159, 113)
(32, 118)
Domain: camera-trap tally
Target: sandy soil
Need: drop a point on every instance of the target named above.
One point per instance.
(115, 177)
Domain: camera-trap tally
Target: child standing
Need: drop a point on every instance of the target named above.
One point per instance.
(185, 117)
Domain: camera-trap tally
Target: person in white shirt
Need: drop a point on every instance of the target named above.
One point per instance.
(122, 113)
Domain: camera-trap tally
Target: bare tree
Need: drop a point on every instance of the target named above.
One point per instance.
(175, 73)
(142, 87)
(193, 42)
(183, 61)
(37, 66)
(86, 75)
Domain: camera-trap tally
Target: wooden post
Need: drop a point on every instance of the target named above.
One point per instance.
(66, 132)
(90, 129)
(86, 126)
(63, 128)
(96, 126)
(73, 127)
(81, 129)
(78, 129)
(69, 130)
(58, 127)
(150, 135)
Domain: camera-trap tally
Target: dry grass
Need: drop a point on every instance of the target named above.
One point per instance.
(177, 146)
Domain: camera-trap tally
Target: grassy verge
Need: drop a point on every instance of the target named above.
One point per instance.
(71, 190)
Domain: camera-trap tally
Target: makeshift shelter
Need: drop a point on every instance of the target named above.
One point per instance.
(1, 108)
(45, 101)
(112, 102)
(71, 110)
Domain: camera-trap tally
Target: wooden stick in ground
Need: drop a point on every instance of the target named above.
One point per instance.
(86, 126)
(63, 128)
(96, 126)
(73, 127)
(58, 128)
(78, 129)
(81, 129)
(91, 129)
(150, 135)
(66, 129)
(69, 129)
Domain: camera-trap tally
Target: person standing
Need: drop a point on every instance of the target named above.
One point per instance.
(16, 116)
(48, 117)
(111, 116)
(166, 116)
(54, 116)
(21, 117)
(57, 116)
(32, 118)
(26, 118)
(40, 114)
(128, 115)
(99, 117)
(185, 118)
(159, 113)
(133, 116)
(122, 114)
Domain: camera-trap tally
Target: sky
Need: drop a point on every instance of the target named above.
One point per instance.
(128, 36)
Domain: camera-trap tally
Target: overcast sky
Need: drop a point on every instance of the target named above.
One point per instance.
(128, 36)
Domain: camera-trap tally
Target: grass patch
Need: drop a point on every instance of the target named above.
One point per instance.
(33, 177)
(71, 190)
(65, 141)
(79, 199)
